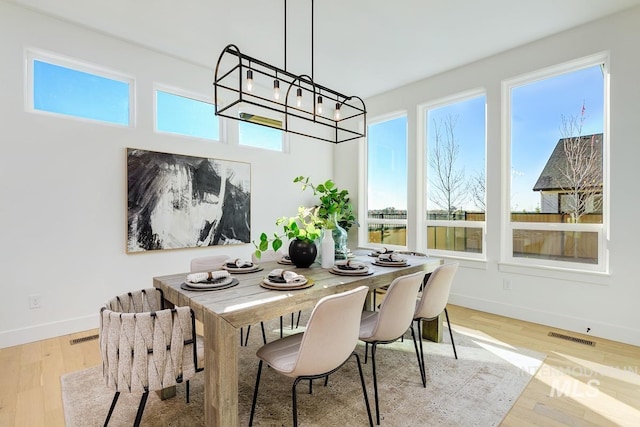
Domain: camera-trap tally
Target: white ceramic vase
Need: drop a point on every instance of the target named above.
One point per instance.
(327, 249)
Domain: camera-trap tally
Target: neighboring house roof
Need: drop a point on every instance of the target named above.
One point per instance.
(551, 179)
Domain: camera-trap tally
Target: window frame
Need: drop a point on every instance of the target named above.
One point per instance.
(363, 231)
(172, 90)
(508, 226)
(424, 222)
(31, 55)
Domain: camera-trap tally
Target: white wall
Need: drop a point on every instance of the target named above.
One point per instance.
(63, 183)
(606, 304)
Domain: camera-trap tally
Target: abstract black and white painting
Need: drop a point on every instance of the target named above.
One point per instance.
(177, 201)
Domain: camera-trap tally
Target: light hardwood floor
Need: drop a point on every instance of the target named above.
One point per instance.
(578, 385)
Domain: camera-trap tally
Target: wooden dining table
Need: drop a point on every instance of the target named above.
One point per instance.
(223, 312)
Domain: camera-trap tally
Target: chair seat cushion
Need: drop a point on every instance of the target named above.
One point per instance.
(281, 354)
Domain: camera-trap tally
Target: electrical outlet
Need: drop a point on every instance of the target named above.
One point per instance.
(506, 284)
(35, 301)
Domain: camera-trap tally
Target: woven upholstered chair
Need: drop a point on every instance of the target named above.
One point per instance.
(327, 343)
(435, 295)
(391, 321)
(145, 347)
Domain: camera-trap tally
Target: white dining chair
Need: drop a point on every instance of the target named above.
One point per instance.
(391, 321)
(435, 295)
(327, 343)
(207, 263)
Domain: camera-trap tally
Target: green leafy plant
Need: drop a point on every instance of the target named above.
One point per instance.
(306, 226)
(333, 201)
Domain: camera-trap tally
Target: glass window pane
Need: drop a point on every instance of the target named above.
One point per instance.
(62, 90)
(186, 116)
(571, 246)
(253, 135)
(456, 159)
(556, 147)
(461, 239)
(387, 165)
(387, 234)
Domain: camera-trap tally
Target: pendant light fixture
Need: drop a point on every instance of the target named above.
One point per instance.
(248, 89)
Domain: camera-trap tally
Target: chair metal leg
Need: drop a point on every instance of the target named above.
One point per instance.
(143, 402)
(246, 338)
(375, 381)
(298, 321)
(264, 336)
(255, 394)
(366, 352)
(310, 386)
(450, 333)
(280, 326)
(364, 389)
(187, 390)
(418, 356)
(292, 320)
(294, 400)
(113, 405)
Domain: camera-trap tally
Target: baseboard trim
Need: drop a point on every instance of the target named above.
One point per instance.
(47, 330)
(598, 329)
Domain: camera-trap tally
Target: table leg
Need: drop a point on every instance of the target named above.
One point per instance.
(432, 329)
(221, 372)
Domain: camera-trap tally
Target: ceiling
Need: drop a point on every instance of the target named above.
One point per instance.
(361, 47)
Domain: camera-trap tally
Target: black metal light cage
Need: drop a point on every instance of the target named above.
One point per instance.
(258, 106)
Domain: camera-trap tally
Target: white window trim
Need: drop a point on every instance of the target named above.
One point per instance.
(506, 254)
(424, 166)
(33, 54)
(185, 94)
(363, 204)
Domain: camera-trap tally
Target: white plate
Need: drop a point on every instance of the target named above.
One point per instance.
(285, 284)
(210, 285)
(251, 269)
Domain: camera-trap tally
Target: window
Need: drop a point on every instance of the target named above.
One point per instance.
(386, 222)
(69, 88)
(252, 135)
(558, 177)
(185, 115)
(455, 178)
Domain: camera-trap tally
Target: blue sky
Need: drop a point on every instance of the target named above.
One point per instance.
(537, 111)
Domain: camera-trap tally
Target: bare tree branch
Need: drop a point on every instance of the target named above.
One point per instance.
(581, 174)
(448, 185)
(478, 190)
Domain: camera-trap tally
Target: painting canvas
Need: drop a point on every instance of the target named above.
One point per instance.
(177, 201)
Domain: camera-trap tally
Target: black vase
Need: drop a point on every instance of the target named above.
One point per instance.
(302, 253)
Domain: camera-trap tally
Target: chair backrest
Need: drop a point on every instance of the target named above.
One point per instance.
(146, 350)
(208, 263)
(435, 293)
(397, 308)
(267, 256)
(332, 332)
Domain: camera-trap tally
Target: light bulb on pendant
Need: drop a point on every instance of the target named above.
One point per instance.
(336, 114)
(299, 97)
(249, 80)
(276, 89)
(319, 105)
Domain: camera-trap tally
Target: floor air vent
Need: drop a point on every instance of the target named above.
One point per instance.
(572, 339)
(83, 339)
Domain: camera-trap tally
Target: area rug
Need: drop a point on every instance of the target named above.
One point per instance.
(478, 389)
